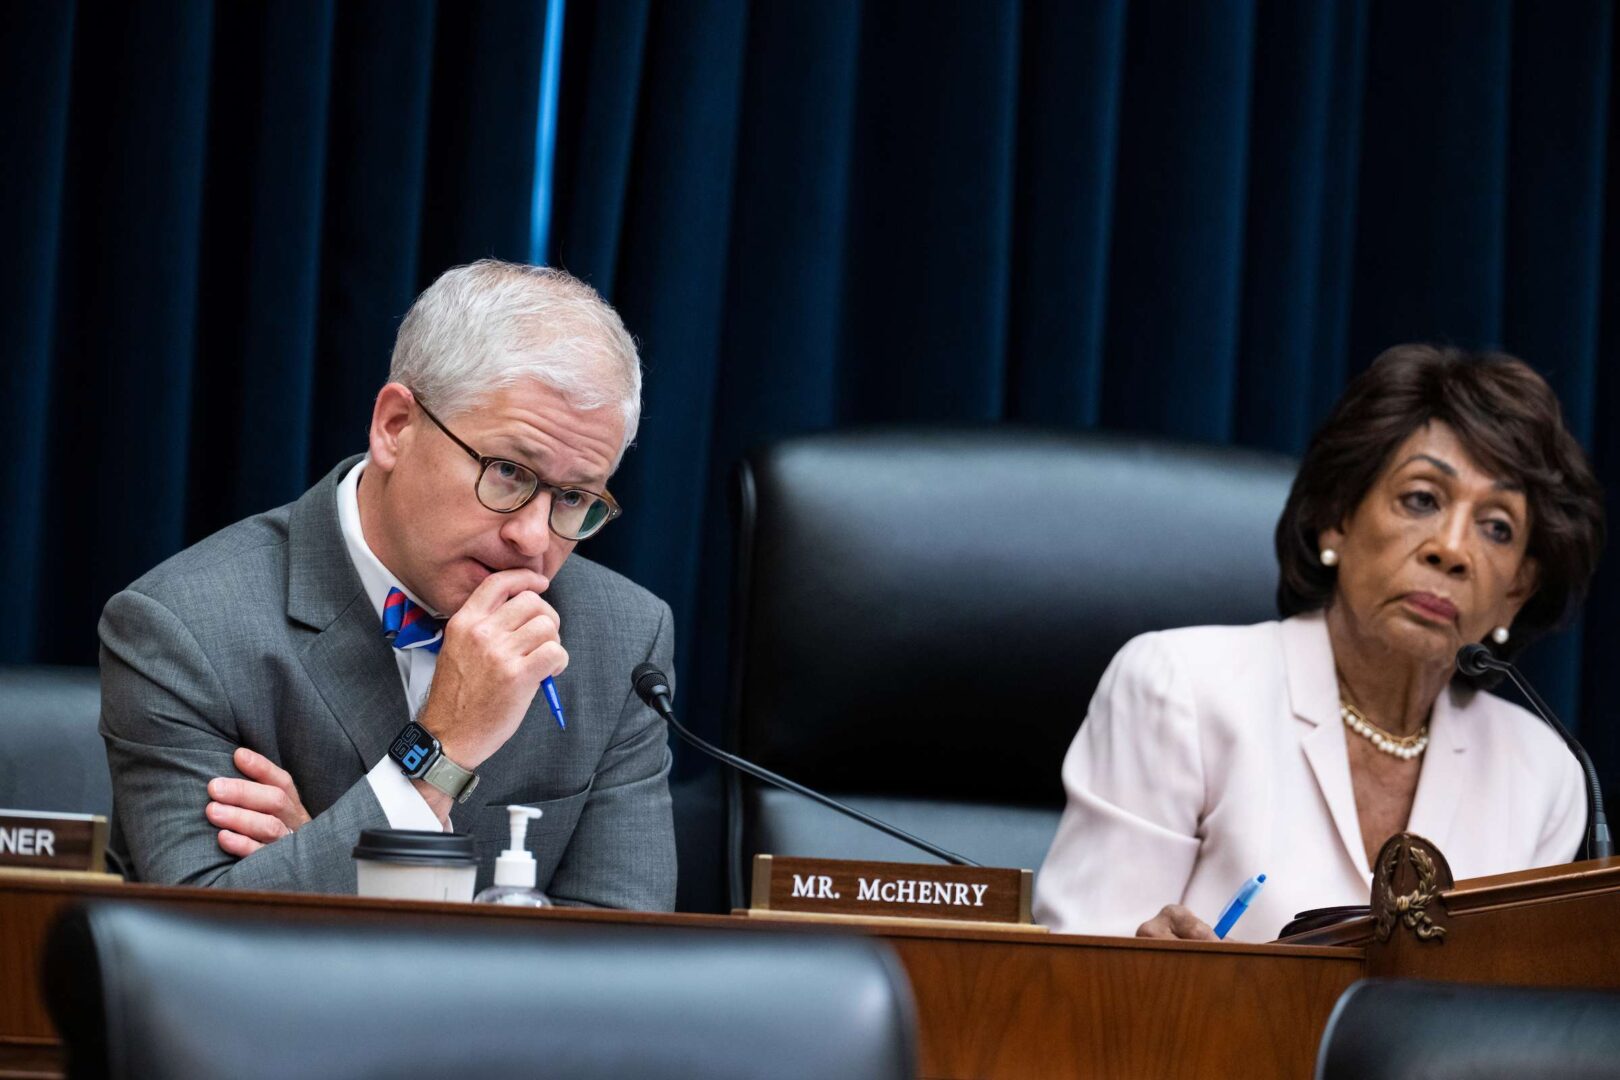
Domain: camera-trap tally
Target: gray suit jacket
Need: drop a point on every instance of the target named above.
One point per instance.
(261, 636)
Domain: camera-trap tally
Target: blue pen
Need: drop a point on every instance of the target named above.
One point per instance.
(1238, 905)
(550, 687)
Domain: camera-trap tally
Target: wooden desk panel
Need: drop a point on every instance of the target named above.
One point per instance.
(989, 1004)
(1555, 926)
(1111, 1007)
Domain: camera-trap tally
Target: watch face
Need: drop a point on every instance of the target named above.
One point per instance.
(414, 750)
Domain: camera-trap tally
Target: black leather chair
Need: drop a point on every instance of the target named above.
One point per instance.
(54, 758)
(140, 992)
(1401, 1029)
(921, 617)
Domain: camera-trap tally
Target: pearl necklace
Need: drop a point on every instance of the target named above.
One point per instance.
(1405, 747)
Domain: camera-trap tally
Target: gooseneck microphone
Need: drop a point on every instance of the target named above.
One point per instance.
(1476, 659)
(653, 688)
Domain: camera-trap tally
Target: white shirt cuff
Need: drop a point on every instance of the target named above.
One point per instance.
(401, 802)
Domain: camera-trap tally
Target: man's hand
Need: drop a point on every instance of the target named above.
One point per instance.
(1175, 921)
(257, 811)
(497, 650)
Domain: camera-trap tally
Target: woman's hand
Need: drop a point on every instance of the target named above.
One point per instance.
(1175, 921)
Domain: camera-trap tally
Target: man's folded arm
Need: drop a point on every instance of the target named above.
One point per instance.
(170, 728)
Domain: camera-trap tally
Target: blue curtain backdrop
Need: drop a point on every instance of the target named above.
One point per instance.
(212, 217)
(1184, 218)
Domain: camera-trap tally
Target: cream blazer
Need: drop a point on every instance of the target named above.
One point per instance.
(1214, 753)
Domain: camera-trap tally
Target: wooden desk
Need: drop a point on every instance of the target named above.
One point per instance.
(989, 1003)
(1558, 926)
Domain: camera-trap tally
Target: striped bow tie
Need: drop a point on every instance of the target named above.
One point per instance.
(409, 626)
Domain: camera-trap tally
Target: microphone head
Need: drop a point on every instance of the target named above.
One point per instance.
(650, 683)
(1475, 659)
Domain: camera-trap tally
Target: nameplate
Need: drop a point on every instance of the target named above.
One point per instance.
(35, 840)
(784, 884)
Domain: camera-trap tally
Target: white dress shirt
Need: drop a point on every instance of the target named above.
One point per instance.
(1214, 753)
(404, 805)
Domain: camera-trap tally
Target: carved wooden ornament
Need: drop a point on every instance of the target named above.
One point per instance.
(1407, 880)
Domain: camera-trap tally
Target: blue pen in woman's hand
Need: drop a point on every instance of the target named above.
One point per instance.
(1238, 905)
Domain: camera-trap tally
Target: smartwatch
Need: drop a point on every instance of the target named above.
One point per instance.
(418, 755)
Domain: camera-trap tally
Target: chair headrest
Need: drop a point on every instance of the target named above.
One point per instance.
(55, 758)
(958, 592)
(139, 991)
(1404, 1029)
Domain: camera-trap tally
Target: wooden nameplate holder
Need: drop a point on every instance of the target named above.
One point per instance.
(35, 842)
(844, 890)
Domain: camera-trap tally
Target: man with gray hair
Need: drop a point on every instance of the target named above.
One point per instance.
(388, 650)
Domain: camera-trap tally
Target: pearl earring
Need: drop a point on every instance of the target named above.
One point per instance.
(1500, 635)
(1330, 557)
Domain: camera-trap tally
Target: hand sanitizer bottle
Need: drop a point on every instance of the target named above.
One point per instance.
(515, 869)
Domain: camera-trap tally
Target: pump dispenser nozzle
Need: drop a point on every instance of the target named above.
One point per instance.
(516, 865)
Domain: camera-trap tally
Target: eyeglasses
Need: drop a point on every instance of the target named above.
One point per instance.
(507, 487)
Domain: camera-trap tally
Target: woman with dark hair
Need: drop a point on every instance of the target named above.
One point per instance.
(1442, 503)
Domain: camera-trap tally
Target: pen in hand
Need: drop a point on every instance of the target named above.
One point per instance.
(550, 688)
(1236, 906)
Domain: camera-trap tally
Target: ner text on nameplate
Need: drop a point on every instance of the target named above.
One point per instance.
(891, 890)
(37, 840)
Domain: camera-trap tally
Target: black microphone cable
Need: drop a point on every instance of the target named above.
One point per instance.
(653, 688)
(1475, 660)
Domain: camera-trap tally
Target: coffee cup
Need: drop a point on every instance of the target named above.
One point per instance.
(411, 864)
